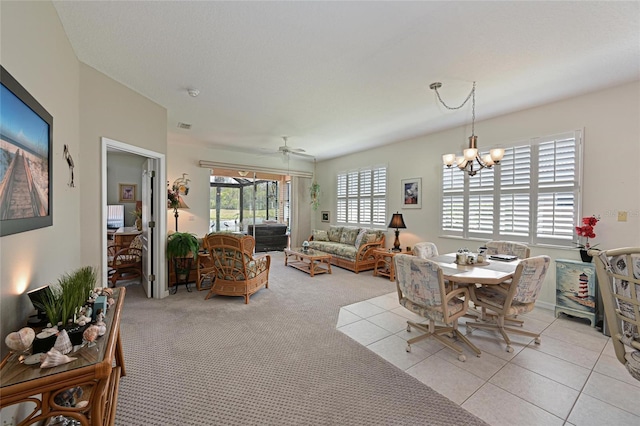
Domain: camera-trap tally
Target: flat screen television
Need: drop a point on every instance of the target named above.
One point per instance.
(115, 216)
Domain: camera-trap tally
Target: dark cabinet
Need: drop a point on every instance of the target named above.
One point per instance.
(269, 237)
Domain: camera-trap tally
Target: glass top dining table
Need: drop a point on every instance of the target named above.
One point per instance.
(489, 272)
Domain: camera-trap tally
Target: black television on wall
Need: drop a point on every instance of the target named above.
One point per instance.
(26, 142)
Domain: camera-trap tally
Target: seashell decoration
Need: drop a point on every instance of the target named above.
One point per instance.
(54, 358)
(91, 333)
(107, 291)
(110, 301)
(21, 340)
(63, 343)
(47, 332)
(82, 404)
(102, 329)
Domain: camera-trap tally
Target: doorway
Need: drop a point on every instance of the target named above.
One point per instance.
(153, 204)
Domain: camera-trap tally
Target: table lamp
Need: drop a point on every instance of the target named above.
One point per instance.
(397, 222)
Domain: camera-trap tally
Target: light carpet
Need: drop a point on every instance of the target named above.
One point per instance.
(277, 361)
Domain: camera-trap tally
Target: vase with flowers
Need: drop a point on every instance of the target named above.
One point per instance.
(586, 231)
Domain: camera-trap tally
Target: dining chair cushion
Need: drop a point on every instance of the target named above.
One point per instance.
(454, 306)
(493, 296)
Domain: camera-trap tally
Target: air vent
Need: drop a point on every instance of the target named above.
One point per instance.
(184, 126)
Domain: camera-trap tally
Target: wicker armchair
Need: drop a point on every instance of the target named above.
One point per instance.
(126, 263)
(619, 277)
(235, 272)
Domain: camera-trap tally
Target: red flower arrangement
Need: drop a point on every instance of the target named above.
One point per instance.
(586, 230)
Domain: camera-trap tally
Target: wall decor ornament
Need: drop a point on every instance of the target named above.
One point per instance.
(325, 216)
(412, 193)
(67, 156)
(26, 143)
(127, 193)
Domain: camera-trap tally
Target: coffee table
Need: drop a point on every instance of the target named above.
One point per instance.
(310, 261)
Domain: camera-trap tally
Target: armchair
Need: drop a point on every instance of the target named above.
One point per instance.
(619, 277)
(421, 290)
(508, 247)
(425, 250)
(126, 263)
(235, 272)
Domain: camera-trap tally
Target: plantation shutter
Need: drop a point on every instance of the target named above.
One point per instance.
(341, 195)
(452, 200)
(515, 193)
(558, 186)
(362, 197)
(480, 219)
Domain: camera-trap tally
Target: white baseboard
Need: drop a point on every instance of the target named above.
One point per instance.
(546, 305)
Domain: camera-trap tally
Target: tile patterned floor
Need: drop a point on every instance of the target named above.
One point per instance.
(571, 378)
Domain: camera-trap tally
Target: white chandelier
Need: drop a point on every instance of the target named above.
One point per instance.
(467, 162)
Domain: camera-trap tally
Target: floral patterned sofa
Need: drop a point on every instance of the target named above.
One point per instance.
(350, 247)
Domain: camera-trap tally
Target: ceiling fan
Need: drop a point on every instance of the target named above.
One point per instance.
(286, 150)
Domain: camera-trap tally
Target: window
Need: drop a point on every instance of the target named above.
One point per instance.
(362, 197)
(532, 196)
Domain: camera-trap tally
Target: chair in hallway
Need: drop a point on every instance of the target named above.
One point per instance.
(421, 289)
(236, 272)
(507, 301)
(425, 250)
(619, 278)
(126, 263)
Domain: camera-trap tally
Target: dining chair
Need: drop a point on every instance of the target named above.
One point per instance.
(619, 278)
(425, 250)
(421, 290)
(508, 247)
(508, 301)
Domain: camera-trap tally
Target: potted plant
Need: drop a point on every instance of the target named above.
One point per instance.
(67, 298)
(586, 231)
(182, 248)
(137, 213)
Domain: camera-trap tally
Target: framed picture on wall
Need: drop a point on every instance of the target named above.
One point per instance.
(412, 193)
(325, 216)
(127, 193)
(26, 141)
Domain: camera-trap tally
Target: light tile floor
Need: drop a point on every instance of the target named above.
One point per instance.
(571, 378)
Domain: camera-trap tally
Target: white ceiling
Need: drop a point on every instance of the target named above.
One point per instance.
(337, 77)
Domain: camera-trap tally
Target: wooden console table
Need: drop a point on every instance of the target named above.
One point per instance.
(97, 370)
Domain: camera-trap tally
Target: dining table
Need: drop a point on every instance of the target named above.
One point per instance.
(489, 272)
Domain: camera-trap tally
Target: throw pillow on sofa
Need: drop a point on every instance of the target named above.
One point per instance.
(320, 235)
(359, 238)
(334, 233)
(349, 235)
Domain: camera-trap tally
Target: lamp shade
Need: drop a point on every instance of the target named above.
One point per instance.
(182, 204)
(397, 221)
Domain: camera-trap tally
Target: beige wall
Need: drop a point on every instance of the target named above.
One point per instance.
(185, 158)
(109, 109)
(124, 168)
(35, 50)
(611, 179)
(85, 105)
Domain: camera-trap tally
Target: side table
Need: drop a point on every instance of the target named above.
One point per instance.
(576, 289)
(384, 263)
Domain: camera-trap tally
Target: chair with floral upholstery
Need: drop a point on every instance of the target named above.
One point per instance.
(421, 290)
(517, 298)
(508, 247)
(126, 263)
(425, 250)
(235, 272)
(619, 278)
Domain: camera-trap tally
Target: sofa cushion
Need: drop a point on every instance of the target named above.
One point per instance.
(335, 249)
(335, 232)
(349, 235)
(320, 235)
(359, 238)
(371, 236)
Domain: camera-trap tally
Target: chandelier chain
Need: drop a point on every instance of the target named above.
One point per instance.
(472, 96)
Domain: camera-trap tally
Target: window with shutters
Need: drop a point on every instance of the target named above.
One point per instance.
(532, 196)
(362, 197)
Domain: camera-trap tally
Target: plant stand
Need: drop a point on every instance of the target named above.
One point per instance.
(182, 267)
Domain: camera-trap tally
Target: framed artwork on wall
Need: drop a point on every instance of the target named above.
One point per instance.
(325, 216)
(26, 142)
(412, 193)
(127, 193)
